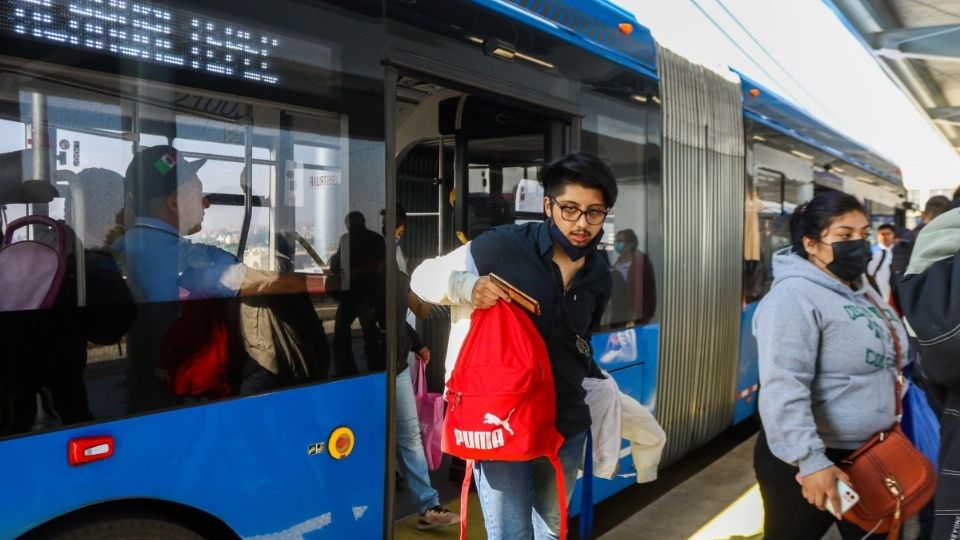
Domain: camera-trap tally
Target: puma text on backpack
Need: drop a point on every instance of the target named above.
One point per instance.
(501, 402)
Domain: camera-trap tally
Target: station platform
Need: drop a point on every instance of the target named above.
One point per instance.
(720, 501)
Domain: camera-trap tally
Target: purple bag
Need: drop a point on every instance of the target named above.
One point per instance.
(430, 412)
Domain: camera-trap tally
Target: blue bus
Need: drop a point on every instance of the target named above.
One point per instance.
(305, 122)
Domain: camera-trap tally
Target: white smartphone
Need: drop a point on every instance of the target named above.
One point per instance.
(848, 498)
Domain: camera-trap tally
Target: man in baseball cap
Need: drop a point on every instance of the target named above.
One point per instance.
(167, 198)
(164, 185)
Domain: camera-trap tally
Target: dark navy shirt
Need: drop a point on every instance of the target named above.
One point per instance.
(523, 255)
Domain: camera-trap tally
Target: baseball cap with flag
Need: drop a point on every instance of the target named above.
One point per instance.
(157, 171)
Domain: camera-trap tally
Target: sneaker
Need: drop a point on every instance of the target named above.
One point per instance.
(437, 516)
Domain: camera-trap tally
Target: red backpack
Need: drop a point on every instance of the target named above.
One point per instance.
(501, 403)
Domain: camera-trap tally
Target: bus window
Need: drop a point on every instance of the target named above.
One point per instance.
(626, 134)
(224, 253)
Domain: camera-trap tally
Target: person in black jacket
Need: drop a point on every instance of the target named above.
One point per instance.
(930, 298)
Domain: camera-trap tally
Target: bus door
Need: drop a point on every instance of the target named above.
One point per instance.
(466, 162)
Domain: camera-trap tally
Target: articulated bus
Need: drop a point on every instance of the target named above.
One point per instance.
(304, 117)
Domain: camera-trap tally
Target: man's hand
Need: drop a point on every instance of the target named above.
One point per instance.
(486, 293)
(820, 486)
(424, 354)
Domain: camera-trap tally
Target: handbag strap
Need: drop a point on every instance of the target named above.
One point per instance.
(898, 380)
(420, 379)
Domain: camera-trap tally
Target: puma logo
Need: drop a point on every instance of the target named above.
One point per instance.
(492, 419)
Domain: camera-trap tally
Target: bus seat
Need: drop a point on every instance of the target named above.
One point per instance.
(16, 187)
(30, 271)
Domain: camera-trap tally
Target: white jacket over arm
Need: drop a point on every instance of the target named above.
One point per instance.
(449, 280)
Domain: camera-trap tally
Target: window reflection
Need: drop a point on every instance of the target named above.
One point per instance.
(180, 285)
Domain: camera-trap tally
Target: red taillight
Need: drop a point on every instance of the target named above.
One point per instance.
(86, 449)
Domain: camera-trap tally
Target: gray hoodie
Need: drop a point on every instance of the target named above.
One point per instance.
(826, 363)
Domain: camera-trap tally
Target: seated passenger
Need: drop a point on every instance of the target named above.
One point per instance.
(166, 196)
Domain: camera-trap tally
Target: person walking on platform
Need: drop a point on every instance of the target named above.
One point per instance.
(826, 355)
(557, 263)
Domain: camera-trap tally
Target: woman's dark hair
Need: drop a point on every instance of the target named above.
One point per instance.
(582, 169)
(811, 218)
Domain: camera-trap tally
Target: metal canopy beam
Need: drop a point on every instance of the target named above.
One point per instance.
(945, 113)
(941, 43)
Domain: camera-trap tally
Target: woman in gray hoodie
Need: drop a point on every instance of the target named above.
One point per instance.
(826, 367)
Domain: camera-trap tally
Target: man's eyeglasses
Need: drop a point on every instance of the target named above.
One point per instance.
(572, 212)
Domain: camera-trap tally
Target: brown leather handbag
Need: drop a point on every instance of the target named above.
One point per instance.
(894, 480)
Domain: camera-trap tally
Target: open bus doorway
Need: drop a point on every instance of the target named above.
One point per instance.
(467, 161)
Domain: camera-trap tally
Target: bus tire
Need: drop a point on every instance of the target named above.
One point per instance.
(133, 527)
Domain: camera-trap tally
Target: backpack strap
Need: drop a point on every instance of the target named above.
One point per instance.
(586, 493)
(465, 498)
(561, 493)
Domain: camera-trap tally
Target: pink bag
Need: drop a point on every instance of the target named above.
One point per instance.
(430, 412)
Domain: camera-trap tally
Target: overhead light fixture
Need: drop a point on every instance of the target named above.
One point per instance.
(656, 100)
(801, 154)
(759, 138)
(638, 97)
(475, 39)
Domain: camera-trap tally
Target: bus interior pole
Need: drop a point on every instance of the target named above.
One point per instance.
(390, 225)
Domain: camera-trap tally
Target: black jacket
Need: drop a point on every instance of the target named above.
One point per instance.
(930, 300)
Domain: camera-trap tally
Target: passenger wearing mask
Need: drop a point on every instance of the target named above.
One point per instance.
(633, 277)
(411, 461)
(556, 262)
(827, 367)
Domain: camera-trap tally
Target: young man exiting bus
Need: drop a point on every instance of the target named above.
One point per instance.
(556, 262)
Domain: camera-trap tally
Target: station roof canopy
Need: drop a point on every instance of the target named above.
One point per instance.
(918, 43)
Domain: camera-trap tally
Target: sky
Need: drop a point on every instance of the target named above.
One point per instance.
(803, 52)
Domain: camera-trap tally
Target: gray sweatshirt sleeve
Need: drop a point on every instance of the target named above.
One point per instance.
(788, 338)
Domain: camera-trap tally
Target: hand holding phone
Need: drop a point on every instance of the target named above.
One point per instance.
(521, 298)
(848, 498)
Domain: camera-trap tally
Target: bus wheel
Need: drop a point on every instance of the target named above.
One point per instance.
(107, 528)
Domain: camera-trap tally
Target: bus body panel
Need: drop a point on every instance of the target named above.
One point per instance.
(191, 456)
(748, 371)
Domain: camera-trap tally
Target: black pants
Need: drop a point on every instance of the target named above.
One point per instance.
(787, 515)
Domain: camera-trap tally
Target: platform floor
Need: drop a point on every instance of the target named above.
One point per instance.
(721, 502)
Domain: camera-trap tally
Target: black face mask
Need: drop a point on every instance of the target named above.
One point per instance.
(850, 258)
(575, 253)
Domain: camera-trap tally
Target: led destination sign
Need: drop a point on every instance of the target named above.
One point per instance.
(167, 36)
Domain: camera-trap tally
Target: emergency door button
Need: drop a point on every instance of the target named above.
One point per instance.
(86, 449)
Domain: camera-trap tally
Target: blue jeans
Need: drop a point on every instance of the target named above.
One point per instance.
(411, 461)
(519, 498)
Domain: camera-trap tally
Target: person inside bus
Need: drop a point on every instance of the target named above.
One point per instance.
(878, 270)
(825, 350)
(365, 254)
(166, 196)
(634, 297)
(411, 461)
(556, 262)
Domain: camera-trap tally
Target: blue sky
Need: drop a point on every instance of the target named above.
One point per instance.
(801, 50)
